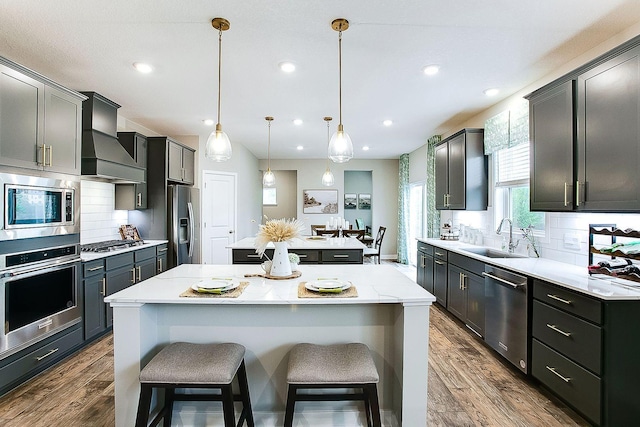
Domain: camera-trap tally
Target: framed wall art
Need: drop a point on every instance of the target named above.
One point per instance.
(320, 201)
(350, 201)
(364, 201)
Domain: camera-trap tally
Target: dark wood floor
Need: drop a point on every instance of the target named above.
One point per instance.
(468, 386)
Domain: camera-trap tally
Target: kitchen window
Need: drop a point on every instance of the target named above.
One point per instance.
(511, 200)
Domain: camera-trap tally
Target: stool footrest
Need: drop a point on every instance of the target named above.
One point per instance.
(329, 397)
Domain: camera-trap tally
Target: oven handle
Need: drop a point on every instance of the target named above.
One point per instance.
(42, 267)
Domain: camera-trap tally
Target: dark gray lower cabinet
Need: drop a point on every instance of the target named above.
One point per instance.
(466, 291)
(440, 276)
(424, 269)
(307, 256)
(94, 309)
(118, 280)
(161, 258)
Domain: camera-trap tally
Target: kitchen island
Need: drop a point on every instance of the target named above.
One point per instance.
(310, 249)
(390, 314)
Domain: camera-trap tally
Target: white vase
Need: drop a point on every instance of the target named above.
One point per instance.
(281, 266)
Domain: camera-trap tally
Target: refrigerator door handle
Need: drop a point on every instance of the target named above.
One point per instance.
(192, 231)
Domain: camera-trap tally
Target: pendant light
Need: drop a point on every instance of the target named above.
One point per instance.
(327, 177)
(218, 146)
(340, 146)
(269, 179)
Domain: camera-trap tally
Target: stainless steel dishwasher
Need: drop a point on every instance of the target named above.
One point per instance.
(506, 313)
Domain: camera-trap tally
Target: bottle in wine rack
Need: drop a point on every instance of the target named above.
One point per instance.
(615, 264)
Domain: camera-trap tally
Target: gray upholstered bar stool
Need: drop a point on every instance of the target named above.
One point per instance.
(334, 366)
(187, 365)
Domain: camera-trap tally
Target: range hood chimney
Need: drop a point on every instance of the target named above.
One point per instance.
(102, 154)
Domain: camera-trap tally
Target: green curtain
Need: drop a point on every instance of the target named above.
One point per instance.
(507, 129)
(403, 210)
(433, 215)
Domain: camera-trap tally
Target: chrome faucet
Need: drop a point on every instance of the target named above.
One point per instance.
(512, 246)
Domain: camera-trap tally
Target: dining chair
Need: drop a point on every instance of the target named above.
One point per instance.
(375, 250)
(324, 232)
(358, 234)
(359, 223)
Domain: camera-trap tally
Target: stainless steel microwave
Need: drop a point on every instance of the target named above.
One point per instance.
(39, 206)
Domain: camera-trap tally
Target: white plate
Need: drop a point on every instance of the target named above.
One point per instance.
(214, 283)
(317, 285)
(231, 287)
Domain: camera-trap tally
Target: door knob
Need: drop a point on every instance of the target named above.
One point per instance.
(230, 231)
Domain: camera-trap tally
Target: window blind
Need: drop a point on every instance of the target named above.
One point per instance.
(512, 166)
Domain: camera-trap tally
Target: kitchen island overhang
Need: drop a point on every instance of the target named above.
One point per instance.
(390, 315)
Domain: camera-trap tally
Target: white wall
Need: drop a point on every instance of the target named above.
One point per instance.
(286, 196)
(384, 197)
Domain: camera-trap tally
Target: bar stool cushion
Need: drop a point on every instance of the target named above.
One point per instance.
(331, 364)
(188, 363)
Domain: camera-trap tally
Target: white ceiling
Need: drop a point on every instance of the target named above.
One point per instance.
(91, 45)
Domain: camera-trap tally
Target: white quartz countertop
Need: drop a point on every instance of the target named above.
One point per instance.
(90, 256)
(567, 275)
(375, 284)
(307, 242)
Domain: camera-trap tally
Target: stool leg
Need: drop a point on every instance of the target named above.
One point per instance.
(227, 406)
(144, 405)
(372, 391)
(168, 405)
(367, 404)
(244, 392)
(291, 402)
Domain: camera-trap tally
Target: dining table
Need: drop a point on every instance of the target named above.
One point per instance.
(375, 304)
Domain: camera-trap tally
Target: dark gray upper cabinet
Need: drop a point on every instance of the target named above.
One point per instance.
(133, 196)
(608, 117)
(181, 163)
(40, 122)
(585, 135)
(551, 150)
(461, 171)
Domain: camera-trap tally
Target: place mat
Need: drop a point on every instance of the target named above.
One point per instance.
(235, 293)
(293, 275)
(303, 292)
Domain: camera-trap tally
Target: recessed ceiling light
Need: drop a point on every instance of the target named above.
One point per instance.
(298, 122)
(208, 122)
(491, 92)
(365, 148)
(142, 67)
(387, 122)
(431, 70)
(300, 148)
(287, 67)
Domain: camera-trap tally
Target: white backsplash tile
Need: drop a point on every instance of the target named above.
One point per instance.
(98, 219)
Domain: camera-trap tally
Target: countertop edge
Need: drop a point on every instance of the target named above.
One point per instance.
(92, 256)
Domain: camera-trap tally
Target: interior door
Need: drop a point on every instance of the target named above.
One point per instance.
(219, 195)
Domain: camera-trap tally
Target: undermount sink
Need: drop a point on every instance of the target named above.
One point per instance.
(491, 253)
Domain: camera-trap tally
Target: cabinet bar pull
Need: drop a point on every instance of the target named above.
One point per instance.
(341, 256)
(133, 275)
(49, 353)
(253, 256)
(302, 256)
(559, 299)
(439, 253)
(104, 287)
(444, 200)
(438, 262)
(422, 258)
(139, 273)
(577, 193)
(50, 156)
(464, 280)
(565, 379)
(163, 250)
(139, 202)
(565, 194)
(560, 331)
(43, 148)
(95, 268)
(159, 265)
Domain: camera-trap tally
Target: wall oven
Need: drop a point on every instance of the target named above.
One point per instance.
(36, 206)
(39, 292)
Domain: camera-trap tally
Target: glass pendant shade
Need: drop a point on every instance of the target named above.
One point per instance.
(340, 146)
(327, 178)
(218, 146)
(268, 179)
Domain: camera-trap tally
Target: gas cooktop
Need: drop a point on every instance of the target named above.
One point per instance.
(110, 245)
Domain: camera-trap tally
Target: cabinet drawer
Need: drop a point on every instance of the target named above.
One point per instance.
(572, 302)
(425, 248)
(569, 335)
(440, 254)
(142, 254)
(306, 257)
(466, 263)
(121, 260)
(91, 268)
(339, 257)
(576, 385)
(161, 249)
(249, 256)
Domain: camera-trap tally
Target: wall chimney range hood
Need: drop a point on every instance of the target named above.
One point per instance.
(102, 154)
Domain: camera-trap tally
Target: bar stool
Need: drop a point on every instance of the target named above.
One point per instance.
(335, 366)
(187, 365)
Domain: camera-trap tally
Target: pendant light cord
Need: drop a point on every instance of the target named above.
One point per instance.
(219, 70)
(340, 73)
(269, 148)
(328, 140)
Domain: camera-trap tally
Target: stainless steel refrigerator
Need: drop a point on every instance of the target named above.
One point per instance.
(183, 222)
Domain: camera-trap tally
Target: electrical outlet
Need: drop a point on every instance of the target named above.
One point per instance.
(571, 240)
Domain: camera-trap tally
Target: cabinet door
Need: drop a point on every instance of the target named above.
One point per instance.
(145, 269)
(62, 127)
(457, 173)
(609, 135)
(21, 110)
(175, 162)
(475, 303)
(161, 263)
(118, 280)
(428, 274)
(420, 270)
(457, 296)
(141, 151)
(551, 154)
(440, 281)
(188, 164)
(94, 306)
(442, 175)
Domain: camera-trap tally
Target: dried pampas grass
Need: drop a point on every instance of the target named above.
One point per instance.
(277, 230)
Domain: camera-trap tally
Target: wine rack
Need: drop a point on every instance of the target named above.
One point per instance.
(614, 232)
